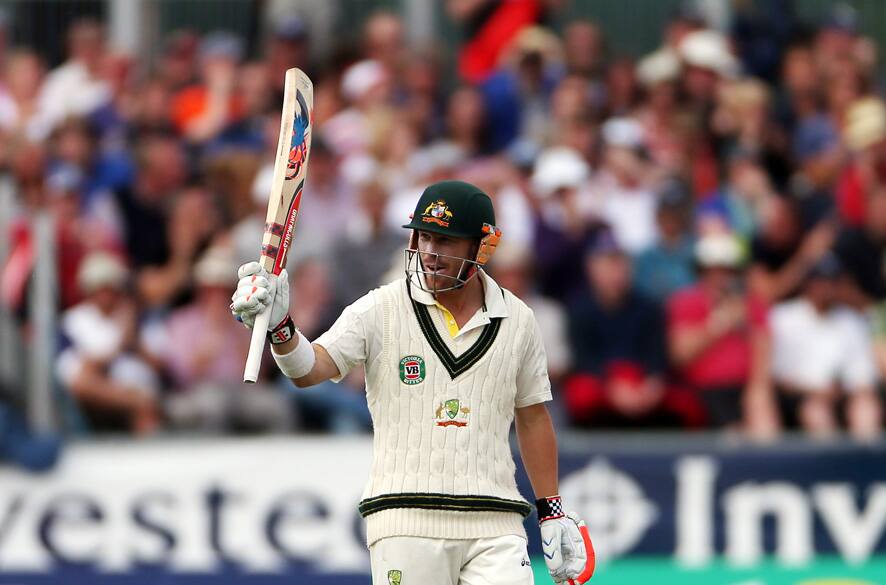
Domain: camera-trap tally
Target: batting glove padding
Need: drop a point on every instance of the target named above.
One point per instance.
(259, 291)
(567, 547)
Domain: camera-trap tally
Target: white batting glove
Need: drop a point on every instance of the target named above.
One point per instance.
(566, 544)
(259, 291)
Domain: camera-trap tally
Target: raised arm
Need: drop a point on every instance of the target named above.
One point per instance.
(324, 368)
(304, 363)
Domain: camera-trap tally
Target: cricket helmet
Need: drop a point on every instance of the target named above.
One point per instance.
(458, 210)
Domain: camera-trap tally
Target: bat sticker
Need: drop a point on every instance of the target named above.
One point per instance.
(275, 229)
(298, 148)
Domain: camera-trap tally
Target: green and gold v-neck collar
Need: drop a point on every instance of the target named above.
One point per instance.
(456, 366)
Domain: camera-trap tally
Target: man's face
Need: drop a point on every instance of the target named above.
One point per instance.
(610, 274)
(822, 291)
(441, 258)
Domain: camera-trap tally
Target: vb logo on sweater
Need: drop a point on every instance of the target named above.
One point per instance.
(412, 370)
(452, 414)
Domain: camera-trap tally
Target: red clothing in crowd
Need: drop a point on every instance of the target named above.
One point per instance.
(727, 362)
(492, 32)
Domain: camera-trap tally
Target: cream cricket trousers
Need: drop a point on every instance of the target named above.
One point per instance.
(410, 560)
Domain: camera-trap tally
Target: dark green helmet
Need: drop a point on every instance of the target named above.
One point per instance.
(459, 210)
(453, 208)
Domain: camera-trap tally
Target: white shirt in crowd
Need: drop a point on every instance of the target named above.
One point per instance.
(630, 212)
(814, 351)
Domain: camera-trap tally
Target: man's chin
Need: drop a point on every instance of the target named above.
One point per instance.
(439, 281)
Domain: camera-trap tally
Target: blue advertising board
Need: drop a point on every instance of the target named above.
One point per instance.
(283, 510)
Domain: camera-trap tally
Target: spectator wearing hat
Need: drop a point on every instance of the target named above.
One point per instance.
(202, 348)
(864, 133)
(708, 60)
(719, 340)
(618, 340)
(366, 87)
(564, 224)
(103, 364)
(658, 74)
(822, 357)
(667, 266)
(622, 189)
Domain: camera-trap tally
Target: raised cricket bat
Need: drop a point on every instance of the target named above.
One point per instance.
(290, 170)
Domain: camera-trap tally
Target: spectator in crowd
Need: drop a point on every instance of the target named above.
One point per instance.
(739, 199)
(203, 349)
(191, 226)
(781, 252)
(103, 365)
(775, 128)
(201, 111)
(76, 87)
(667, 266)
(719, 341)
(366, 249)
(798, 98)
(620, 358)
(177, 63)
(862, 251)
(623, 187)
(366, 87)
(659, 73)
(708, 60)
(384, 41)
(248, 130)
(512, 270)
(864, 132)
(817, 155)
(288, 45)
(822, 355)
(467, 120)
(23, 75)
(564, 225)
(583, 49)
(518, 93)
(161, 170)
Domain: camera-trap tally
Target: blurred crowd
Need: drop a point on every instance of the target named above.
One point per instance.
(701, 231)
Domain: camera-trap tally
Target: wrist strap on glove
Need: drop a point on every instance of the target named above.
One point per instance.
(283, 332)
(549, 508)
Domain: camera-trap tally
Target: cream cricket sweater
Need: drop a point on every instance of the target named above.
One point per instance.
(442, 409)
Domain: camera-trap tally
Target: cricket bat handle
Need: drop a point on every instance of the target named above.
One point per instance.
(257, 344)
